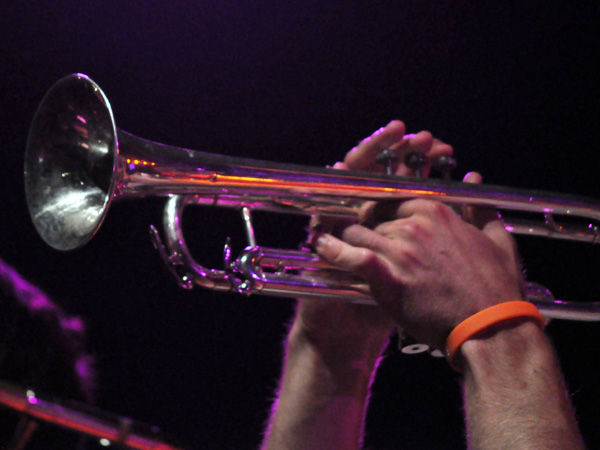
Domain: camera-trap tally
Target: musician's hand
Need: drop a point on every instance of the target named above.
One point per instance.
(393, 136)
(363, 329)
(428, 268)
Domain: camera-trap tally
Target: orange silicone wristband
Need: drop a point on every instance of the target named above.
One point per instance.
(486, 318)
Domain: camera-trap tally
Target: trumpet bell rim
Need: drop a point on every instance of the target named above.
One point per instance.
(70, 162)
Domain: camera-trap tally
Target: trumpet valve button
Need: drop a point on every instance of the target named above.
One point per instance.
(445, 165)
(416, 161)
(387, 158)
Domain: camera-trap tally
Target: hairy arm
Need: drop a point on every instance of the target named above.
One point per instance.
(325, 384)
(514, 392)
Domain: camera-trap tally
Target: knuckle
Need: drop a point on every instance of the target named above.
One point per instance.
(413, 228)
(412, 207)
(388, 229)
(360, 260)
(437, 208)
(430, 208)
(438, 211)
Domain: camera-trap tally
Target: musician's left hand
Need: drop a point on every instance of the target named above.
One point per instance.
(363, 329)
(393, 136)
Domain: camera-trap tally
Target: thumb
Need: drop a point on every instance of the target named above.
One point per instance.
(479, 216)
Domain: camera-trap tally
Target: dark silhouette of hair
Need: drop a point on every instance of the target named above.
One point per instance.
(41, 347)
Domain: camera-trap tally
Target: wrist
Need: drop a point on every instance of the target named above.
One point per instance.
(486, 323)
(504, 349)
(343, 355)
(346, 334)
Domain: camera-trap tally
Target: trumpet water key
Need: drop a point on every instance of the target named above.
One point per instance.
(77, 162)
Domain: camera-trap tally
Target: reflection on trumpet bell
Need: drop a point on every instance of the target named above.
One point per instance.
(77, 162)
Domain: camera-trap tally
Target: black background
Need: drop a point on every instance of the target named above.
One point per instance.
(512, 85)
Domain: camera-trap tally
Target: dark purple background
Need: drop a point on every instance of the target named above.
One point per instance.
(512, 85)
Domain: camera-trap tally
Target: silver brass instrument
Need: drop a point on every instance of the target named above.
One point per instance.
(109, 429)
(77, 162)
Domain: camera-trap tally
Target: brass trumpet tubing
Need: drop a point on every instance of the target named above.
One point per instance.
(166, 170)
(344, 286)
(300, 273)
(576, 311)
(265, 271)
(294, 274)
(178, 258)
(589, 233)
(217, 180)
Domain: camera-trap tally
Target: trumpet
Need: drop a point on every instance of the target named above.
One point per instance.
(77, 163)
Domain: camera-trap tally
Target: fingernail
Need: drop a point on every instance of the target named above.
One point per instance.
(320, 241)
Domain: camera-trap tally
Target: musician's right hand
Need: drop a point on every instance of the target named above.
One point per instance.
(428, 268)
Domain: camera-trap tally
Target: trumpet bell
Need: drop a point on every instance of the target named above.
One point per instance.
(70, 160)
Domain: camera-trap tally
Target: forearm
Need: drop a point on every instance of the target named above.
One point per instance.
(323, 394)
(514, 392)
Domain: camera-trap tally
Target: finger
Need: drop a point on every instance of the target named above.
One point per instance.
(371, 214)
(359, 260)
(495, 230)
(412, 143)
(407, 233)
(384, 277)
(473, 177)
(481, 215)
(334, 225)
(505, 242)
(488, 220)
(327, 224)
(420, 142)
(362, 157)
(440, 148)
